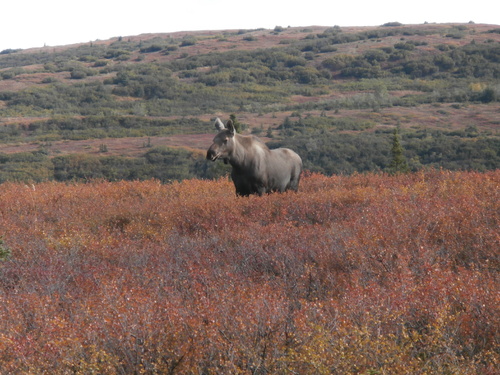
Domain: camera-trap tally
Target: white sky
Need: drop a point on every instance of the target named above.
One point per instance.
(35, 23)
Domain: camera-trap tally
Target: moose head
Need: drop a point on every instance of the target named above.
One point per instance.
(223, 143)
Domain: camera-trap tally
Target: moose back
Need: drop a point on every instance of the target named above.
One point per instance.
(255, 168)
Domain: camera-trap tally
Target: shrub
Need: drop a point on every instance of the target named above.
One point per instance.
(392, 24)
(338, 62)
(188, 41)
(369, 273)
(488, 95)
(4, 250)
(78, 74)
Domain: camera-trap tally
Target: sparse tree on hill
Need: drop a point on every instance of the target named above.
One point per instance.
(236, 123)
(398, 163)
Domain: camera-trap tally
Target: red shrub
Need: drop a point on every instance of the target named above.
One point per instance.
(366, 273)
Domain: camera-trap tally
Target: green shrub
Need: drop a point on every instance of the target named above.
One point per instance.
(4, 250)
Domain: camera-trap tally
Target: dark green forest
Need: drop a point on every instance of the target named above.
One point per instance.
(171, 84)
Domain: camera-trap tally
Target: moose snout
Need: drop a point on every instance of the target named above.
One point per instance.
(212, 155)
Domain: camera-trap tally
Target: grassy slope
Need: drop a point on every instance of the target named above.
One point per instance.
(484, 117)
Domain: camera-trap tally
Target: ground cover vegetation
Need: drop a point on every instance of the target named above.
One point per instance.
(379, 272)
(361, 274)
(335, 94)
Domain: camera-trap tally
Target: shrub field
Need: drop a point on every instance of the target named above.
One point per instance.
(361, 274)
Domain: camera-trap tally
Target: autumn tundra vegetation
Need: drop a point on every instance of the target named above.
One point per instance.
(126, 107)
(124, 251)
(362, 274)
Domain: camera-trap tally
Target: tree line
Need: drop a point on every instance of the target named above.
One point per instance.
(326, 145)
(99, 127)
(330, 150)
(161, 163)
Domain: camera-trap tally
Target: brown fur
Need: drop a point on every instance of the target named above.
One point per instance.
(256, 168)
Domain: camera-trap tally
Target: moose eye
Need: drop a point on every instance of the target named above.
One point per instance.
(225, 141)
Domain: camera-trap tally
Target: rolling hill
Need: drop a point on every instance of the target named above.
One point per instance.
(324, 91)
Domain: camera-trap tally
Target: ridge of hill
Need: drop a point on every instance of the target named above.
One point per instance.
(322, 90)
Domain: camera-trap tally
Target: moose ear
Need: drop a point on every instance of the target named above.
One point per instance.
(230, 126)
(218, 124)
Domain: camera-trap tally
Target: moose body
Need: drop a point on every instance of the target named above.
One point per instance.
(255, 168)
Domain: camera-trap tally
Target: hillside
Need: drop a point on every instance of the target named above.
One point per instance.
(103, 109)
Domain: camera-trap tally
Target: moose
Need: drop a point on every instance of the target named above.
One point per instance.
(256, 169)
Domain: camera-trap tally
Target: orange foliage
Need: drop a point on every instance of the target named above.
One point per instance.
(354, 274)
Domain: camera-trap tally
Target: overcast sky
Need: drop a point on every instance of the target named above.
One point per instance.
(35, 23)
